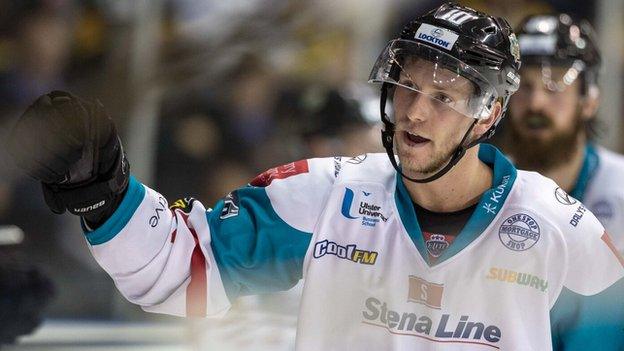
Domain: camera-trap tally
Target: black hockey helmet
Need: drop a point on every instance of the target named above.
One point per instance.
(560, 41)
(459, 42)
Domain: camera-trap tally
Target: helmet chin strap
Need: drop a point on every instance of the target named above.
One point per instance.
(387, 140)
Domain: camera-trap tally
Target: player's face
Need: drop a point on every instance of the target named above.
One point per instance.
(427, 130)
(540, 113)
(544, 125)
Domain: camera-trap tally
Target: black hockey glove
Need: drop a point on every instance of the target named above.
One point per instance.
(72, 147)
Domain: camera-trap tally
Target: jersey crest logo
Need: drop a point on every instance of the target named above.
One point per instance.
(519, 232)
(436, 244)
(563, 197)
(281, 172)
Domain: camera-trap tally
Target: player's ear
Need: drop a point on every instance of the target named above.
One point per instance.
(484, 124)
(589, 103)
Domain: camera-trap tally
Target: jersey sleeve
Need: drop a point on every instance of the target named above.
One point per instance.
(186, 260)
(609, 209)
(589, 312)
(594, 263)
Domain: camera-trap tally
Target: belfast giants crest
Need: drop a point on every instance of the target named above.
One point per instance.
(436, 244)
(368, 212)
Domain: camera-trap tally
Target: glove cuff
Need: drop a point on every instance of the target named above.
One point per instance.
(93, 197)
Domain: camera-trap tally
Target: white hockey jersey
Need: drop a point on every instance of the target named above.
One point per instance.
(348, 227)
(600, 186)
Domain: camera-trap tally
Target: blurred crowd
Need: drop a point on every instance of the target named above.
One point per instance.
(236, 87)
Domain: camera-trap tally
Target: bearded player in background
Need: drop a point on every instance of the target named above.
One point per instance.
(551, 130)
(552, 121)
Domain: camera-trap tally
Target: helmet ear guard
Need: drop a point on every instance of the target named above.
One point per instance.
(487, 111)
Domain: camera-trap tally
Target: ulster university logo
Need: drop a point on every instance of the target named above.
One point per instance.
(369, 212)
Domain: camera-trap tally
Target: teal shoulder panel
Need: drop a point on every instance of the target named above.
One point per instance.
(256, 250)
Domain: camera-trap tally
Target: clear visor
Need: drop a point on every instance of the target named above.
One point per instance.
(442, 84)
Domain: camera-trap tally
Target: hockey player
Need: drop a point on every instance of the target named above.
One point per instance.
(550, 130)
(448, 248)
(552, 117)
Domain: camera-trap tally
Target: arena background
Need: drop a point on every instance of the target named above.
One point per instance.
(206, 94)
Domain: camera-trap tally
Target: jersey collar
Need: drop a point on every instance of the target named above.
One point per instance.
(504, 176)
(590, 164)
